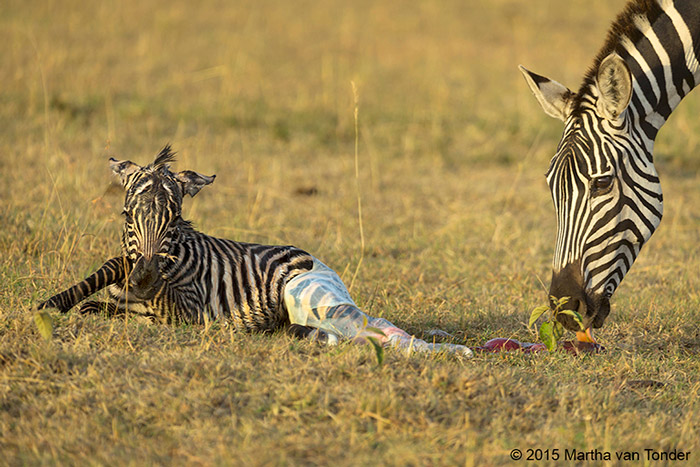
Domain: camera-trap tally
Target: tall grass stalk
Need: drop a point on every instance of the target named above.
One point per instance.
(357, 183)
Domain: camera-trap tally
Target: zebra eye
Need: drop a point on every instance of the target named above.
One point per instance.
(599, 184)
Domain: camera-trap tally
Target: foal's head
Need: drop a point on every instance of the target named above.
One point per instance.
(152, 214)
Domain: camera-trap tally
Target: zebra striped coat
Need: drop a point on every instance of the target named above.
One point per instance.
(174, 274)
(604, 185)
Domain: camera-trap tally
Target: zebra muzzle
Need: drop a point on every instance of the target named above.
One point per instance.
(593, 307)
(145, 279)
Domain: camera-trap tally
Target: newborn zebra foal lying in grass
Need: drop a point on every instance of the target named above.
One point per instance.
(172, 273)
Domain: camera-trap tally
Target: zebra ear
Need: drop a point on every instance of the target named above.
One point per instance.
(614, 81)
(192, 182)
(555, 98)
(123, 169)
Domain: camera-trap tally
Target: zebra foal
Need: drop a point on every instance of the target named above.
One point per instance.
(171, 273)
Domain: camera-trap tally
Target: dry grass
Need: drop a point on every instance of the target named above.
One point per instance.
(457, 222)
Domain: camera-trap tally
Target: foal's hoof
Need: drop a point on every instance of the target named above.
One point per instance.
(325, 338)
(307, 332)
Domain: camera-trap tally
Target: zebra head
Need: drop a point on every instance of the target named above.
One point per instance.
(604, 186)
(152, 215)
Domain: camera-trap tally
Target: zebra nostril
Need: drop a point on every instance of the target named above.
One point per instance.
(572, 304)
(565, 303)
(145, 276)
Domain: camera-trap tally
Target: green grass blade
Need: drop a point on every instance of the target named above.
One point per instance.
(378, 349)
(375, 330)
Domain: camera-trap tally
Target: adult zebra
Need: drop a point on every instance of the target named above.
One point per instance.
(172, 273)
(605, 188)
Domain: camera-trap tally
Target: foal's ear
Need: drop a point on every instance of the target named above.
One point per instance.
(123, 169)
(192, 182)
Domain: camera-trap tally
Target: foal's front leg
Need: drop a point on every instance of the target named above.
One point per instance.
(315, 334)
(111, 272)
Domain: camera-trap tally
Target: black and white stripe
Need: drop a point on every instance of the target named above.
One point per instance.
(173, 273)
(604, 185)
(115, 270)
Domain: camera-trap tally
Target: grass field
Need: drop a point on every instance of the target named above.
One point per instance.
(457, 219)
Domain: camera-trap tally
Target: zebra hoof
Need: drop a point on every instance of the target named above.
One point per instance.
(323, 337)
(314, 334)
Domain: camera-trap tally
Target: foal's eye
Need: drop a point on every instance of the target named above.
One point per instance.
(599, 184)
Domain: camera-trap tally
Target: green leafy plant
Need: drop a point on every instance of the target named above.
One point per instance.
(551, 330)
(44, 323)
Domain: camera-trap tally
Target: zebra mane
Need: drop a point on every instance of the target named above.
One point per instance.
(623, 26)
(164, 157)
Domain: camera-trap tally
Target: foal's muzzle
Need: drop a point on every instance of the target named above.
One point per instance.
(145, 278)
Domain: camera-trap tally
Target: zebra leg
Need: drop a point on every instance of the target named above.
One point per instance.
(95, 307)
(391, 335)
(111, 272)
(319, 299)
(350, 322)
(315, 334)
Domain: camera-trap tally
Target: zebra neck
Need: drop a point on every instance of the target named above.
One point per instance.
(183, 230)
(664, 63)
